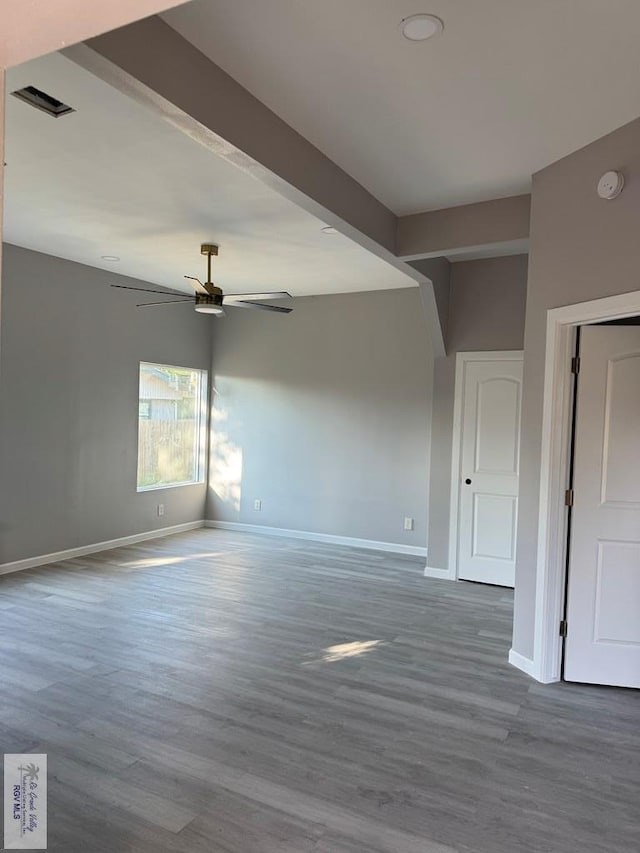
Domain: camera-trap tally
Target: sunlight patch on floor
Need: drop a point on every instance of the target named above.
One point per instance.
(152, 562)
(345, 651)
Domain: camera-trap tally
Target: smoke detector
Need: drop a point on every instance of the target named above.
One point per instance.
(610, 185)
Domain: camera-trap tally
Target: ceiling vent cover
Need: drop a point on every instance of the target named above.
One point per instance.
(41, 101)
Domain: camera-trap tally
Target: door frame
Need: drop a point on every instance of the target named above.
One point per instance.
(551, 569)
(462, 360)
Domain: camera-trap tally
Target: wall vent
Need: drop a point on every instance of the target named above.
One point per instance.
(41, 101)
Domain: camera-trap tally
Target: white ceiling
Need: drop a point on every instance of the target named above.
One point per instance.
(114, 179)
(510, 86)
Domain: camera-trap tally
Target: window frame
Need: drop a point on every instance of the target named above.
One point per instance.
(201, 429)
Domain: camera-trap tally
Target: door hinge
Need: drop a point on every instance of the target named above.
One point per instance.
(568, 497)
(575, 364)
(563, 628)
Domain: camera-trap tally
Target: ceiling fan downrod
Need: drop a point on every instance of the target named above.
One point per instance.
(210, 250)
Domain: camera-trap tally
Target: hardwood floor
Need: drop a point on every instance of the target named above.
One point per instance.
(222, 692)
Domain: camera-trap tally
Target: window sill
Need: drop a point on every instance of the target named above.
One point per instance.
(169, 486)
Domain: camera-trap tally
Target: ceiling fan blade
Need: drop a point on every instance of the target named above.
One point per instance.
(148, 290)
(197, 280)
(165, 302)
(259, 305)
(244, 297)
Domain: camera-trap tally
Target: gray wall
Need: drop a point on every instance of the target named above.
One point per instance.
(324, 415)
(486, 312)
(71, 347)
(581, 248)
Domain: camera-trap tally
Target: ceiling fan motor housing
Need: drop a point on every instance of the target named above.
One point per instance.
(210, 298)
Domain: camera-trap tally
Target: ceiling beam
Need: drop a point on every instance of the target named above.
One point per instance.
(153, 64)
(500, 225)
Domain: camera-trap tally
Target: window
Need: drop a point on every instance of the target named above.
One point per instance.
(172, 409)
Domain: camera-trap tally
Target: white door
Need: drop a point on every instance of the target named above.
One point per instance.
(603, 604)
(490, 391)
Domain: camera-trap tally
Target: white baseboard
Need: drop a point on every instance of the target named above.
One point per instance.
(347, 541)
(440, 574)
(83, 550)
(524, 664)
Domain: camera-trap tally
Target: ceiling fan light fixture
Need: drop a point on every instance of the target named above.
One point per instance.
(209, 303)
(421, 27)
(217, 310)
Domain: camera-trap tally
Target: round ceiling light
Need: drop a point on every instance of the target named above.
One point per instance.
(329, 229)
(421, 27)
(111, 258)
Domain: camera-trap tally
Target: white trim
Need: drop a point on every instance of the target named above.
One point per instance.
(83, 550)
(462, 359)
(523, 663)
(347, 541)
(170, 486)
(440, 574)
(556, 425)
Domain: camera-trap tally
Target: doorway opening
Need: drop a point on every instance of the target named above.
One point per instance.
(562, 323)
(601, 628)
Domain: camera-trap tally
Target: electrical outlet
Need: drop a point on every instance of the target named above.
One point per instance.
(160, 509)
(257, 504)
(408, 523)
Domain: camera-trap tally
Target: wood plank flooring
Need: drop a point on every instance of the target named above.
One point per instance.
(222, 692)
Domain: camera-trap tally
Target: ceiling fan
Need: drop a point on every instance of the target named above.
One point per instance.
(209, 298)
